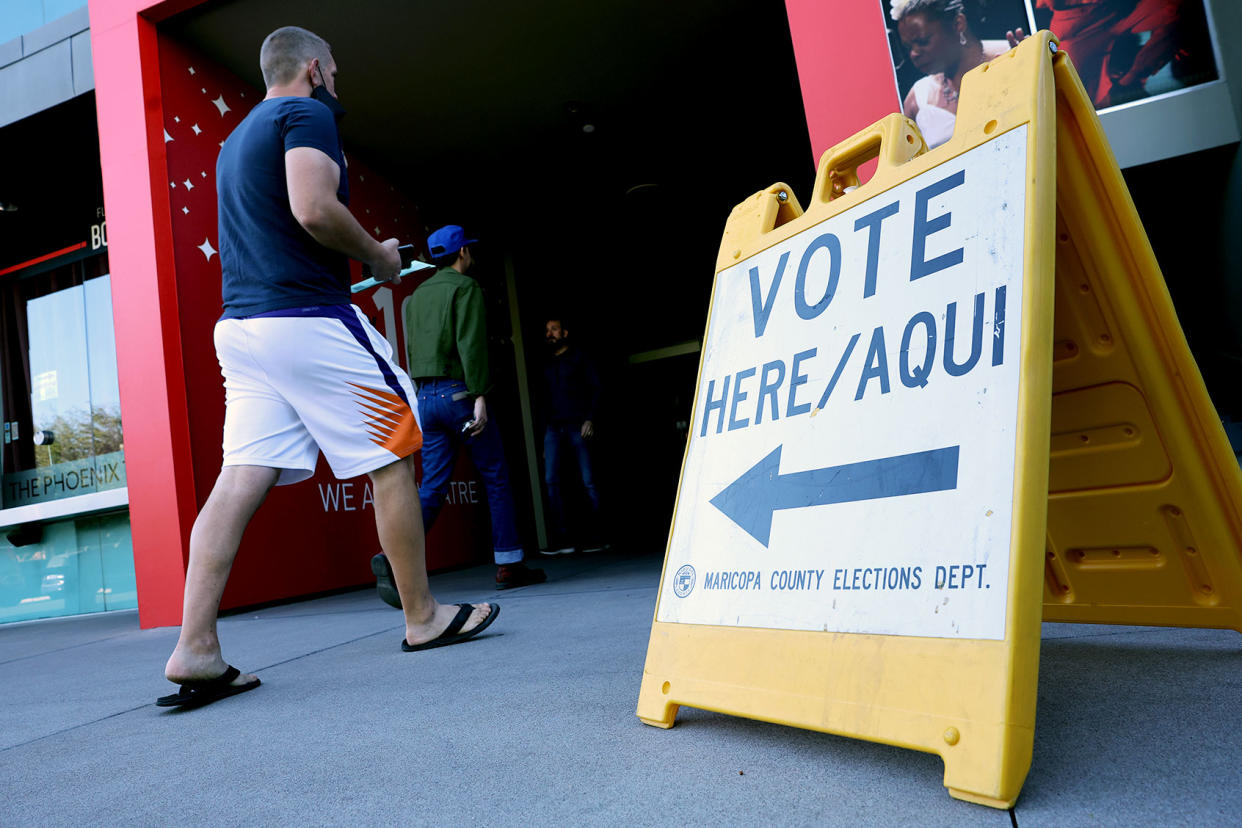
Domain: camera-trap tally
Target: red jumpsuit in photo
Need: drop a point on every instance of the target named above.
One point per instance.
(1163, 19)
(1085, 31)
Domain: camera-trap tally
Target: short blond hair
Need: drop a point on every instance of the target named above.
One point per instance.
(285, 52)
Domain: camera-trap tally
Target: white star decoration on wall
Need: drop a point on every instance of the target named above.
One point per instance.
(189, 155)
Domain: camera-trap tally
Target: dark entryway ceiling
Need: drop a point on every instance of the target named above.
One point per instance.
(468, 103)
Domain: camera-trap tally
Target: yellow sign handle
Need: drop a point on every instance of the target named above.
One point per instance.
(893, 140)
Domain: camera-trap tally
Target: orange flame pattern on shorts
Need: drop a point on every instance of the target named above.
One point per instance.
(390, 421)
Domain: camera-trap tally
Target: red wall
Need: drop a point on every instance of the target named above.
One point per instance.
(844, 67)
(144, 303)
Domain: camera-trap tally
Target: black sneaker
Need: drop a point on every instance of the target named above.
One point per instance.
(383, 581)
(519, 574)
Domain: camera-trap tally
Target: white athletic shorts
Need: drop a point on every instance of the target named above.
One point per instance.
(306, 380)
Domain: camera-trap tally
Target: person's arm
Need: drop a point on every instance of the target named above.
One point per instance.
(471, 326)
(593, 391)
(312, 179)
(910, 107)
(1151, 58)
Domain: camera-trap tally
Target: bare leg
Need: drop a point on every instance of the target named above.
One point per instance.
(399, 521)
(213, 544)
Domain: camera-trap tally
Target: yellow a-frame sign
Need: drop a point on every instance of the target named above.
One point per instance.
(927, 406)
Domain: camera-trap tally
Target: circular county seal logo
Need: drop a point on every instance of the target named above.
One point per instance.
(683, 581)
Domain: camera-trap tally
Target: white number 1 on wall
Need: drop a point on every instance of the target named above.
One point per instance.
(383, 301)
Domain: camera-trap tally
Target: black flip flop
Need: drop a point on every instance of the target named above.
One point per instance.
(451, 634)
(206, 691)
(384, 580)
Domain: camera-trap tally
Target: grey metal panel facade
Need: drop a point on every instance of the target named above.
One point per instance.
(83, 69)
(62, 28)
(46, 67)
(35, 83)
(10, 51)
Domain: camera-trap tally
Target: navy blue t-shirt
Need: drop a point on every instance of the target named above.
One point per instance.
(269, 261)
(572, 388)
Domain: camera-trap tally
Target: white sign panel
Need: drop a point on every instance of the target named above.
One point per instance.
(851, 462)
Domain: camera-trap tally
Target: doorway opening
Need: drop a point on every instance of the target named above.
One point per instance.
(596, 151)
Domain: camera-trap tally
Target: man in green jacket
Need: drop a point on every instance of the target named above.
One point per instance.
(446, 343)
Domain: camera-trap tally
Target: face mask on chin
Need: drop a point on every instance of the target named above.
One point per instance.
(321, 94)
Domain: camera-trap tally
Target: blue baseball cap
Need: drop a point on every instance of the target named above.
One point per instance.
(447, 240)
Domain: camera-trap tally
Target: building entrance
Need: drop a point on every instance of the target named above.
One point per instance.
(596, 150)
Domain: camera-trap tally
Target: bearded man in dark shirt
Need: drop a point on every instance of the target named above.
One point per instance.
(571, 391)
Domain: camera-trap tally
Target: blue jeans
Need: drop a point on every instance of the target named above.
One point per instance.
(442, 417)
(554, 439)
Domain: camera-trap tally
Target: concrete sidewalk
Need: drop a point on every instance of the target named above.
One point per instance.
(533, 724)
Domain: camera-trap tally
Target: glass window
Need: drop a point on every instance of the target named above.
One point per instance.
(62, 438)
(61, 405)
(74, 566)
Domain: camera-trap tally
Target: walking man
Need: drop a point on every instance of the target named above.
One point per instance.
(571, 395)
(446, 342)
(303, 369)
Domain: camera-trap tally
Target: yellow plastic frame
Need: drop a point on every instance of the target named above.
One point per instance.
(1143, 522)
(971, 701)
(1145, 493)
